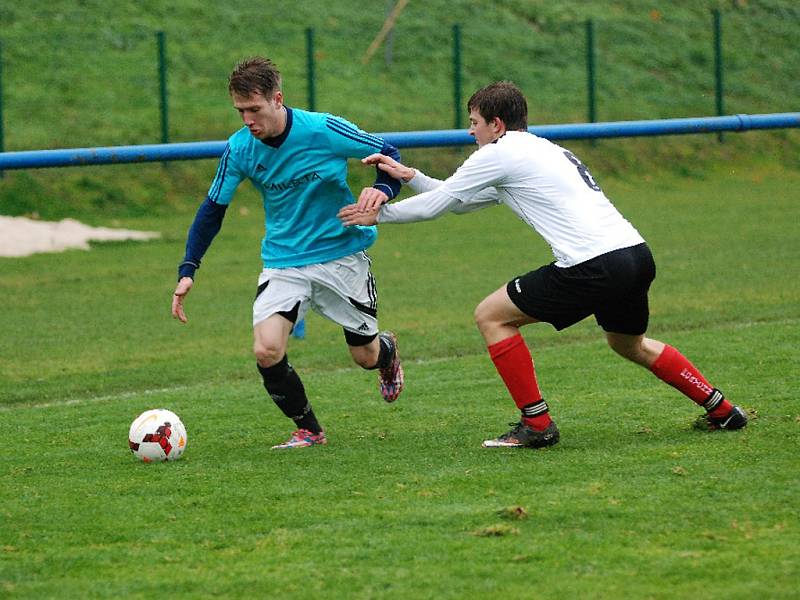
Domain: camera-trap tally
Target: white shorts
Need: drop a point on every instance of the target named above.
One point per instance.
(341, 290)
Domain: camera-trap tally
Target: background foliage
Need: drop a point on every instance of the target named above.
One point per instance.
(82, 74)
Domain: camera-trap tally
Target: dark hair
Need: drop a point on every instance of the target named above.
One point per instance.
(501, 99)
(255, 75)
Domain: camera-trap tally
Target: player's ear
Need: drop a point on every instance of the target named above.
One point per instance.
(278, 98)
(498, 127)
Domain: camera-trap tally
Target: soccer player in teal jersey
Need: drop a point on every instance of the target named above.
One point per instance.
(297, 160)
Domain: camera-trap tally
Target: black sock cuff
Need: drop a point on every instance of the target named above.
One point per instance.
(715, 398)
(534, 409)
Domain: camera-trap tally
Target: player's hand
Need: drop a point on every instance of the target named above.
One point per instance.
(183, 288)
(352, 215)
(371, 199)
(390, 166)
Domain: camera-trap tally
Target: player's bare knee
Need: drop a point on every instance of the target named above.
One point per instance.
(482, 317)
(623, 350)
(626, 353)
(632, 352)
(268, 354)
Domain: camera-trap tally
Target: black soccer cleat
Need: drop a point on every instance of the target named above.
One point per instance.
(522, 436)
(736, 419)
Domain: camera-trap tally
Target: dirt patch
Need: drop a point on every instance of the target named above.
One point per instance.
(20, 236)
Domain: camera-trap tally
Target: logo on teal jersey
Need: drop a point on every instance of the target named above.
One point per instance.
(292, 183)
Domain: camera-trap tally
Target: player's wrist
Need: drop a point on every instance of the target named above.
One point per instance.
(187, 269)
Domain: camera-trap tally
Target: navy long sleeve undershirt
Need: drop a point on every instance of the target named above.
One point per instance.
(206, 225)
(383, 180)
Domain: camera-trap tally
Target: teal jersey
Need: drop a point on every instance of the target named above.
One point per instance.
(302, 178)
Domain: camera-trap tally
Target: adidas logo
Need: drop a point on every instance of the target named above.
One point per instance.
(260, 168)
(363, 327)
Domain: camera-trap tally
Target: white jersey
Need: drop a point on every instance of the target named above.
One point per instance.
(544, 184)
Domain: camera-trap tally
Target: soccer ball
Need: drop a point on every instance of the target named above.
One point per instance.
(157, 435)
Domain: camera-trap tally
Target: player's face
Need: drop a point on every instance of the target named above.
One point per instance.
(484, 132)
(265, 118)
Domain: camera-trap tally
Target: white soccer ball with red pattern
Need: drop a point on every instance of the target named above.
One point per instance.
(157, 435)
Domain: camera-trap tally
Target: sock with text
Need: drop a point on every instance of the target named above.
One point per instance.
(674, 368)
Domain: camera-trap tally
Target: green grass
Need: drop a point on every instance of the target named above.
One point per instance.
(403, 503)
(633, 503)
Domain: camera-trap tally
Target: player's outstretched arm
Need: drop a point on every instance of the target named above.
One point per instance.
(421, 207)
(184, 287)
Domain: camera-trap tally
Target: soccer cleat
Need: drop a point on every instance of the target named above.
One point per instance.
(522, 436)
(302, 438)
(736, 419)
(391, 378)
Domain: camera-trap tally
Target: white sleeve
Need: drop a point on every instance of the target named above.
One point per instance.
(422, 207)
(429, 205)
(469, 189)
(483, 199)
(422, 183)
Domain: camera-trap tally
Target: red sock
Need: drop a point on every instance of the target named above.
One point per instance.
(513, 361)
(674, 368)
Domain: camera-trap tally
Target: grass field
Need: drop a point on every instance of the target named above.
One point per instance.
(403, 502)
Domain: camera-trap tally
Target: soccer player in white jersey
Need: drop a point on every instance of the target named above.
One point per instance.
(603, 267)
(297, 160)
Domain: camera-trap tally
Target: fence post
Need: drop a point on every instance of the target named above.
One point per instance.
(162, 85)
(590, 75)
(458, 124)
(718, 65)
(2, 140)
(312, 101)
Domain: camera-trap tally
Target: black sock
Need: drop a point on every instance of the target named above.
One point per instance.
(286, 390)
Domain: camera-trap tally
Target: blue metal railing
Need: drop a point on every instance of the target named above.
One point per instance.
(37, 159)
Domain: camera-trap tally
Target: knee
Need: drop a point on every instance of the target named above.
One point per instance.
(482, 316)
(634, 352)
(623, 351)
(268, 353)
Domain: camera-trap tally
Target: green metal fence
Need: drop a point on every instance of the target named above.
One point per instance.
(598, 39)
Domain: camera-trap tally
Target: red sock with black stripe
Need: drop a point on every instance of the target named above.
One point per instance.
(674, 368)
(513, 362)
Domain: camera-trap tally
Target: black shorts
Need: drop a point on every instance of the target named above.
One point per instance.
(612, 287)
